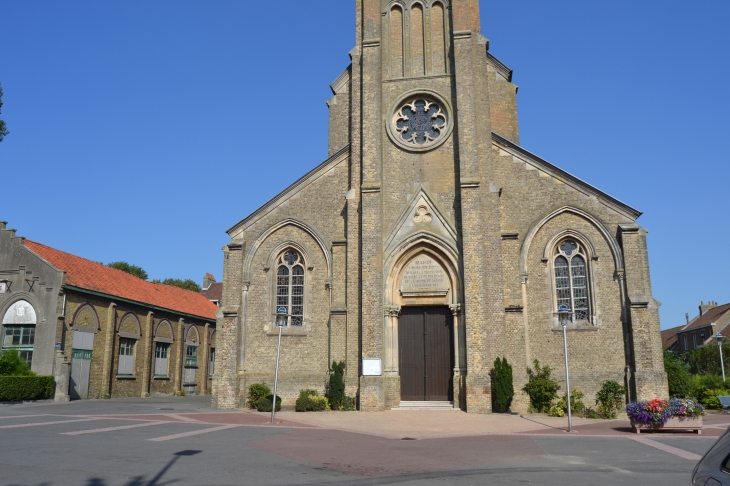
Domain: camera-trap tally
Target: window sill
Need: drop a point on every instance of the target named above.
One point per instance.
(578, 326)
(126, 377)
(288, 331)
(165, 378)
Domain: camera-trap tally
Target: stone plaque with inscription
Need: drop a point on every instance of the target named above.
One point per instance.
(424, 276)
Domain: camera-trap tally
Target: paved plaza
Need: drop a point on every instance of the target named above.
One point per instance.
(181, 440)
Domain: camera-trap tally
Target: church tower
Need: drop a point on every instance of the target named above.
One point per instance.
(430, 242)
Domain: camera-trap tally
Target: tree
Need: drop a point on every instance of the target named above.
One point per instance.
(678, 376)
(183, 284)
(3, 128)
(706, 360)
(336, 391)
(12, 365)
(503, 387)
(130, 269)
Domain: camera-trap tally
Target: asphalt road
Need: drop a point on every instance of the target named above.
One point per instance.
(180, 441)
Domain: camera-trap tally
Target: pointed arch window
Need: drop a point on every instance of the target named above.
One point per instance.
(571, 280)
(290, 286)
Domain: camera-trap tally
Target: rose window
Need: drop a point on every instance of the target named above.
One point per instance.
(420, 123)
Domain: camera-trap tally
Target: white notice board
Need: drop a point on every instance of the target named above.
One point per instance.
(372, 367)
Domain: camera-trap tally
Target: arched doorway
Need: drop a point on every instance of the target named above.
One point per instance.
(424, 339)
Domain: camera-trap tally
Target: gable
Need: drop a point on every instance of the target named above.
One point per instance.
(293, 190)
(533, 162)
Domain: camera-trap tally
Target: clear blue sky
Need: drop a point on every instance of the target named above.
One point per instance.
(141, 131)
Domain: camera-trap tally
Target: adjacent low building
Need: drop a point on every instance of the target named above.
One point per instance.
(101, 331)
(701, 330)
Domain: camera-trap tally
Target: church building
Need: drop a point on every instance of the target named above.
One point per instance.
(430, 242)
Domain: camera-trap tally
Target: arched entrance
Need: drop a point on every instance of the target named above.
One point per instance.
(425, 342)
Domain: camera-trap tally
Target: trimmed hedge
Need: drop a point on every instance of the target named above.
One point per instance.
(263, 404)
(16, 388)
(310, 401)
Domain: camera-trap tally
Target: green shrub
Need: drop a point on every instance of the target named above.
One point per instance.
(678, 377)
(310, 401)
(610, 399)
(336, 392)
(348, 404)
(15, 388)
(576, 403)
(709, 398)
(556, 411)
(502, 386)
(256, 392)
(541, 388)
(263, 404)
(12, 365)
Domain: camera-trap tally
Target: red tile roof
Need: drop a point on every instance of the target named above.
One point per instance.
(669, 336)
(708, 317)
(96, 277)
(214, 291)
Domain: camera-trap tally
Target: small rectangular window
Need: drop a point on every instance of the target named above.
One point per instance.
(685, 342)
(694, 340)
(162, 351)
(191, 356)
(126, 356)
(211, 365)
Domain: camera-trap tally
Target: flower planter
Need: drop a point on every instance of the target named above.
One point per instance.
(674, 423)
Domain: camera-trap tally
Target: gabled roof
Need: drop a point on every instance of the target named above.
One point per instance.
(708, 317)
(293, 188)
(669, 336)
(214, 291)
(565, 177)
(92, 276)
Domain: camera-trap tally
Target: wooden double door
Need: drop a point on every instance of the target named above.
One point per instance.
(426, 353)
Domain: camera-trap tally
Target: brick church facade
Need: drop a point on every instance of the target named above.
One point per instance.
(430, 242)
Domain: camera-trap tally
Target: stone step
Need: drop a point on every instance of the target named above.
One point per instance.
(424, 405)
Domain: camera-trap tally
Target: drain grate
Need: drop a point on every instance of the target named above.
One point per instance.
(408, 438)
(166, 409)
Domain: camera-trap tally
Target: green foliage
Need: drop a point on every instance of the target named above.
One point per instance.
(310, 401)
(678, 377)
(576, 403)
(706, 360)
(336, 392)
(3, 127)
(348, 404)
(16, 388)
(699, 384)
(130, 269)
(709, 398)
(263, 404)
(610, 399)
(557, 411)
(540, 387)
(503, 389)
(183, 284)
(12, 365)
(256, 392)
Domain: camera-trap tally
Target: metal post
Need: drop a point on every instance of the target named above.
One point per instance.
(276, 377)
(567, 377)
(718, 336)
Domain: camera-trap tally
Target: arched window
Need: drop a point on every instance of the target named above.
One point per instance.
(571, 280)
(290, 287)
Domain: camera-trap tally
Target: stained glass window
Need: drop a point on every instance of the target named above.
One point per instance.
(420, 122)
(290, 287)
(571, 280)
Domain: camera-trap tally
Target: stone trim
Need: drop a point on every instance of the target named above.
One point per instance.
(498, 66)
(470, 183)
(565, 177)
(510, 235)
(93, 313)
(342, 81)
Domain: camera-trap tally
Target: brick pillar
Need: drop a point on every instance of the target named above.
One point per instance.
(225, 379)
(180, 355)
(147, 356)
(206, 355)
(106, 372)
(649, 377)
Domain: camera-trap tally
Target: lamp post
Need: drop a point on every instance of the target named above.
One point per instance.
(564, 317)
(281, 317)
(719, 336)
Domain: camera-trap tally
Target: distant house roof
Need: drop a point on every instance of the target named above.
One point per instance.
(669, 336)
(712, 315)
(214, 291)
(96, 277)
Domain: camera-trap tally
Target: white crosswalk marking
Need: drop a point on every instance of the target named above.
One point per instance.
(194, 432)
(667, 448)
(109, 429)
(47, 423)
